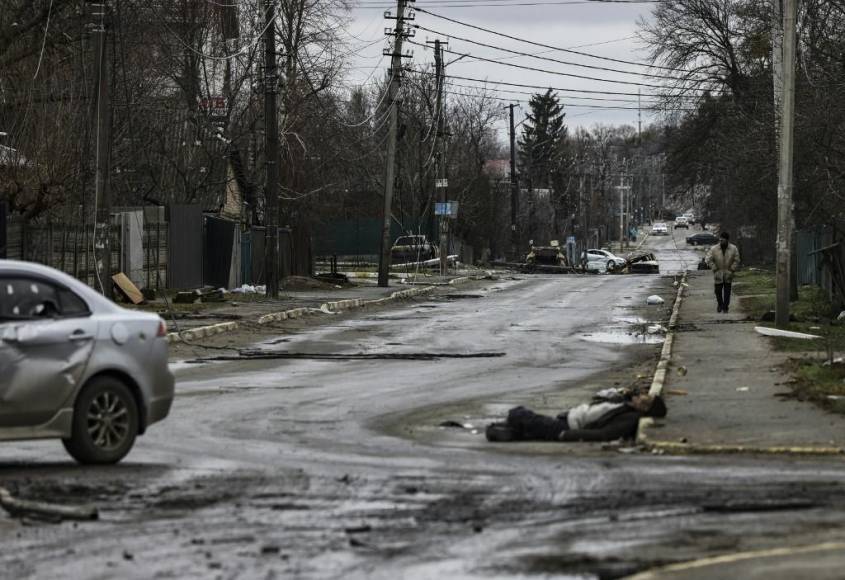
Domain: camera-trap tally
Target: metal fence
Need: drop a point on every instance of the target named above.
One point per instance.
(820, 257)
(69, 247)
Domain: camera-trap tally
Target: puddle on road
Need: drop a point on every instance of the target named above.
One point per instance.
(630, 320)
(622, 336)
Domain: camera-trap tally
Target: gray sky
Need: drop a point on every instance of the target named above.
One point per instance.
(566, 26)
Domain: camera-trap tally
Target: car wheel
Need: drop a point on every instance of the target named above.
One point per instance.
(611, 266)
(105, 422)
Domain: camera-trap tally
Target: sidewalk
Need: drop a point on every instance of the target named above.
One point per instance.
(731, 377)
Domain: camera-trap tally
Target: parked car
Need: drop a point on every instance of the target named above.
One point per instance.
(412, 249)
(75, 366)
(702, 239)
(681, 222)
(659, 229)
(607, 259)
(690, 218)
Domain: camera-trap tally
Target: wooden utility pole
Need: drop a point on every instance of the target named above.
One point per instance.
(514, 191)
(390, 172)
(441, 183)
(271, 142)
(785, 165)
(102, 129)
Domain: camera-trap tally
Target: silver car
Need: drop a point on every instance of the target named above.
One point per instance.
(75, 366)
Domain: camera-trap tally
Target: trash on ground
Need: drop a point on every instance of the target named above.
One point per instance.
(451, 424)
(127, 288)
(656, 329)
(837, 361)
(681, 392)
(682, 371)
(841, 316)
(742, 389)
(776, 332)
(654, 299)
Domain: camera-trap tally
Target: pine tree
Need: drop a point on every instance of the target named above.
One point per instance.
(542, 146)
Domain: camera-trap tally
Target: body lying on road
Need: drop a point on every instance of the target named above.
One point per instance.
(607, 418)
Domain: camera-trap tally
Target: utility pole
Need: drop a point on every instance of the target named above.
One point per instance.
(785, 166)
(390, 173)
(582, 259)
(621, 210)
(271, 142)
(441, 183)
(639, 118)
(514, 191)
(102, 183)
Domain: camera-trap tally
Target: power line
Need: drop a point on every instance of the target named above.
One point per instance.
(552, 72)
(541, 45)
(544, 87)
(574, 105)
(550, 59)
(510, 3)
(534, 93)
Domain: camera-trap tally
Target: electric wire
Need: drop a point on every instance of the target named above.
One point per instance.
(542, 45)
(553, 72)
(544, 87)
(548, 58)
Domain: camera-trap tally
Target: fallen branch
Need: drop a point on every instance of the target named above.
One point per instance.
(21, 507)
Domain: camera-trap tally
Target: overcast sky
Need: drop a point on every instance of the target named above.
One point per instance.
(604, 29)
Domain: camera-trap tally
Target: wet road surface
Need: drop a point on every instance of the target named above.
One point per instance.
(312, 468)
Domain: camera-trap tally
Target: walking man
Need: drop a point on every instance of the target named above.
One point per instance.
(723, 259)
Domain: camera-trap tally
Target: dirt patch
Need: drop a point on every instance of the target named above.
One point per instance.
(818, 382)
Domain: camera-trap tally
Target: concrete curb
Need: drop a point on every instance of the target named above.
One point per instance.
(662, 369)
(201, 332)
(328, 307)
(692, 449)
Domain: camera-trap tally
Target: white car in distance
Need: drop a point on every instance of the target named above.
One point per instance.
(659, 229)
(603, 260)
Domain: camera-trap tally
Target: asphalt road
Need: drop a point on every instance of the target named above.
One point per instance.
(321, 469)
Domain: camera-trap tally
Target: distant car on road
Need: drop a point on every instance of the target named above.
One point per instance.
(681, 222)
(605, 258)
(412, 249)
(702, 239)
(76, 366)
(690, 218)
(659, 229)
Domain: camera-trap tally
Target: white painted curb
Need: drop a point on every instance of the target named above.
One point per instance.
(659, 379)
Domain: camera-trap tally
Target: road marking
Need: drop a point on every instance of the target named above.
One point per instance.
(737, 557)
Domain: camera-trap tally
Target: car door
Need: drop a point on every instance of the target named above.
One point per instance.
(47, 335)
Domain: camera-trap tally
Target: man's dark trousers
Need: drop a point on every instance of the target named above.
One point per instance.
(530, 426)
(723, 296)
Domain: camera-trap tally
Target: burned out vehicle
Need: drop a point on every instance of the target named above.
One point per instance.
(546, 259)
(413, 248)
(642, 262)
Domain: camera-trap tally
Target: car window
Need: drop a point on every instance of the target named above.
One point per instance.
(71, 305)
(24, 298)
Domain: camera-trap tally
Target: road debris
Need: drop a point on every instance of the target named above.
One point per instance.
(269, 355)
(778, 333)
(26, 508)
(654, 299)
